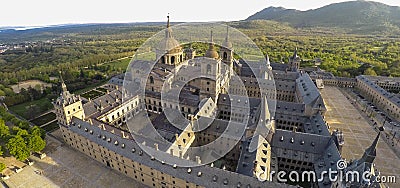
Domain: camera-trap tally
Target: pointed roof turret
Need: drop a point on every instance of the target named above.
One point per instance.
(370, 153)
(295, 54)
(227, 43)
(63, 86)
(211, 52)
(267, 59)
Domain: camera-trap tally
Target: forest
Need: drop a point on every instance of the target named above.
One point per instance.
(20, 140)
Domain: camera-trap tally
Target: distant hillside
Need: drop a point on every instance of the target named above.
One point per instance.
(81, 31)
(362, 17)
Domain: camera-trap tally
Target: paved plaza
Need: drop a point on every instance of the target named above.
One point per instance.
(358, 134)
(66, 167)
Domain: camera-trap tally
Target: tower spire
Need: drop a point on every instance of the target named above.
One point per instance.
(295, 53)
(370, 153)
(63, 86)
(211, 52)
(168, 21)
(227, 44)
(168, 31)
(227, 34)
(212, 39)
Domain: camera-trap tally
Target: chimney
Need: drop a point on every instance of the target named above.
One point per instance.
(198, 160)
(156, 146)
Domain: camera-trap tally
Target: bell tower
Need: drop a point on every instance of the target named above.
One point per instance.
(226, 50)
(210, 66)
(294, 62)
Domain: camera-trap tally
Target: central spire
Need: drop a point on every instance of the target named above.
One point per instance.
(168, 21)
(168, 31)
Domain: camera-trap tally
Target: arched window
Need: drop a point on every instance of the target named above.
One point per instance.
(208, 68)
(181, 58)
(163, 60)
(151, 80)
(173, 60)
(225, 55)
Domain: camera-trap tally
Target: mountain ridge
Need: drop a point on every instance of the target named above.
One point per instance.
(363, 17)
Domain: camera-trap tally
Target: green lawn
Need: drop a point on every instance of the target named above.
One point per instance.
(119, 64)
(78, 92)
(92, 94)
(30, 109)
(44, 119)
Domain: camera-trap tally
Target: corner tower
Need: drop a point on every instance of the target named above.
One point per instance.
(67, 105)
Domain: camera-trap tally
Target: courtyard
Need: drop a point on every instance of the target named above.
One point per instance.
(66, 167)
(358, 133)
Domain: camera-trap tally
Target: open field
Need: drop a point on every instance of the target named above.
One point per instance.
(29, 83)
(358, 133)
(121, 64)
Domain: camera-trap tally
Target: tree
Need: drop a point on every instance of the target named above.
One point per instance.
(370, 71)
(20, 132)
(37, 131)
(4, 130)
(17, 147)
(2, 167)
(36, 143)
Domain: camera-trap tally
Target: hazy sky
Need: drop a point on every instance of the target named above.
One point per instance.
(50, 12)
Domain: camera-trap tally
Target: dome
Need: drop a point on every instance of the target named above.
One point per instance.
(169, 44)
(211, 53)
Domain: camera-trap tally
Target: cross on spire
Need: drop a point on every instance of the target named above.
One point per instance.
(168, 21)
